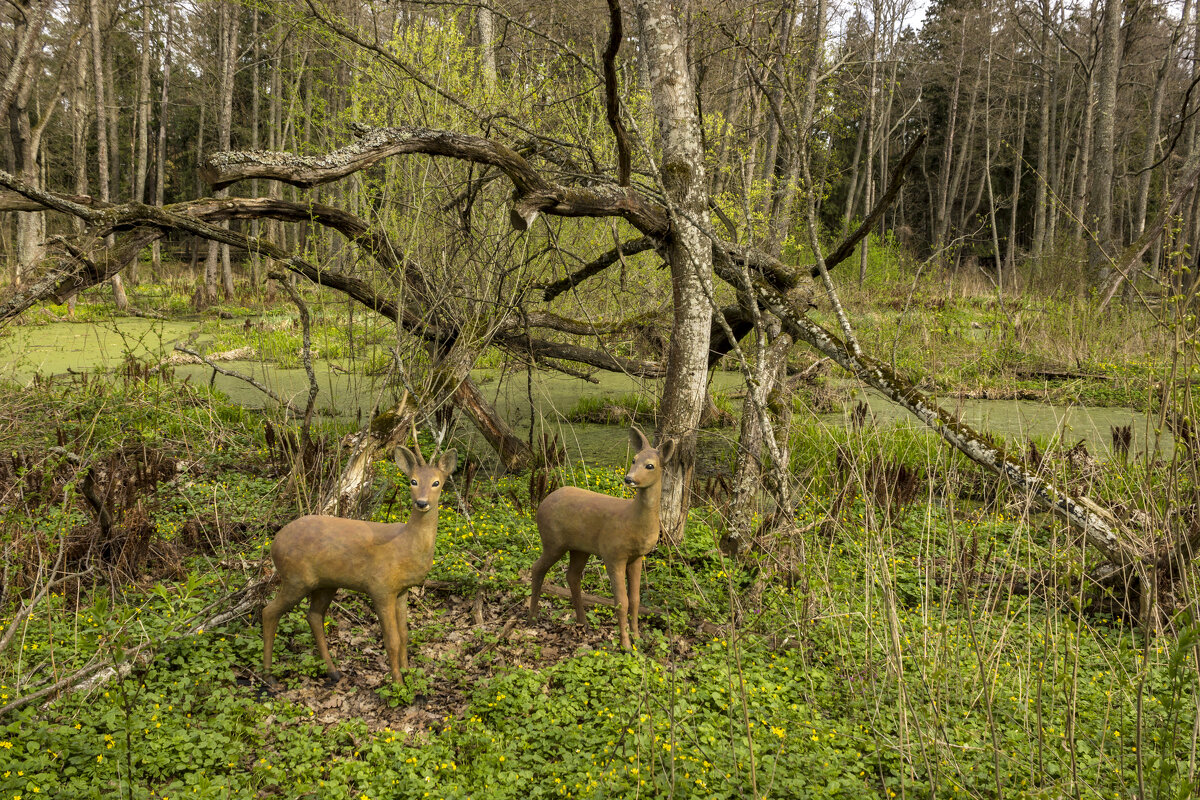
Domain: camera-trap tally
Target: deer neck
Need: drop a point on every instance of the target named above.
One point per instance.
(422, 525)
(648, 501)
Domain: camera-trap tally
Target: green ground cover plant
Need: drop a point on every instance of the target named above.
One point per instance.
(913, 631)
(936, 645)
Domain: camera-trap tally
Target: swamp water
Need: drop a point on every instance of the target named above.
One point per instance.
(58, 348)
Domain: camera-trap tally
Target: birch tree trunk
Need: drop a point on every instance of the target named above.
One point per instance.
(142, 158)
(941, 216)
(112, 111)
(487, 47)
(102, 120)
(770, 365)
(1010, 257)
(218, 262)
(987, 167)
(30, 18)
(869, 177)
(1083, 151)
(275, 127)
(689, 253)
(852, 193)
(160, 174)
(1154, 124)
(770, 370)
(1044, 170)
(255, 102)
(79, 103)
(1100, 213)
(31, 226)
(1057, 156)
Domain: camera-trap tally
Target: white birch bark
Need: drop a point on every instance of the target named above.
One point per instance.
(217, 265)
(1100, 214)
(487, 47)
(689, 252)
(160, 174)
(141, 170)
(102, 120)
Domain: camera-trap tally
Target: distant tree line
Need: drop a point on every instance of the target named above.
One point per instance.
(1056, 130)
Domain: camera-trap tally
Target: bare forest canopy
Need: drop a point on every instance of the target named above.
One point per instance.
(467, 170)
(1046, 133)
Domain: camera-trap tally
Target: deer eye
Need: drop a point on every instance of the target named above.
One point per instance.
(413, 482)
(435, 483)
(649, 466)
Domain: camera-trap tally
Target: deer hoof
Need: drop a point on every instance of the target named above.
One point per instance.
(334, 675)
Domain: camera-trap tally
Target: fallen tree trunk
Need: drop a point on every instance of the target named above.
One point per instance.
(1101, 530)
(1135, 251)
(514, 454)
(202, 359)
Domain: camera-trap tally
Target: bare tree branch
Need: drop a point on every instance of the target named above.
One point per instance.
(895, 181)
(248, 379)
(534, 194)
(597, 265)
(1135, 251)
(612, 101)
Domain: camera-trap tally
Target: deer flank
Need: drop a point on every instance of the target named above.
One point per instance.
(619, 531)
(317, 555)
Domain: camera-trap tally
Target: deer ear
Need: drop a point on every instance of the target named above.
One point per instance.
(449, 461)
(406, 460)
(666, 449)
(638, 440)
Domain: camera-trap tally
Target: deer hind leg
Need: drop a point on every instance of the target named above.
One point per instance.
(389, 620)
(537, 574)
(633, 585)
(616, 576)
(574, 580)
(285, 599)
(318, 605)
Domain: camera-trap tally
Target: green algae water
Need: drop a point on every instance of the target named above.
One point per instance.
(540, 401)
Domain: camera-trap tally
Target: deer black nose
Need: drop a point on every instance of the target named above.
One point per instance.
(422, 504)
(629, 481)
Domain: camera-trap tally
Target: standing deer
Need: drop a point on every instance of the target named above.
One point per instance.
(617, 530)
(317, 555)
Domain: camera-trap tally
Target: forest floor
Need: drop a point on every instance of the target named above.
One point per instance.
(910, 638)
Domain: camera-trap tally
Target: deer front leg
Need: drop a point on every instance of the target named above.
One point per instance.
(616, 576)
(575, 580)
(402, 624)
(318, 604)
(389, 619)
(633, 586)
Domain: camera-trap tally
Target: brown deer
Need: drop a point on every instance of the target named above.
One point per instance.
(317, 555)
(617, 530)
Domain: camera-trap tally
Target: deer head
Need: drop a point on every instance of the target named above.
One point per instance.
(646, 469)
(425, 481)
